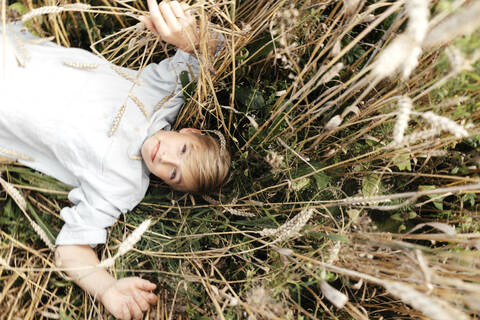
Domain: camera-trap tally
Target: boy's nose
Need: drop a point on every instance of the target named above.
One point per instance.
(166, 157)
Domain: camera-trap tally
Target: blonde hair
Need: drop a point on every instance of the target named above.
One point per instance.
(208, 164)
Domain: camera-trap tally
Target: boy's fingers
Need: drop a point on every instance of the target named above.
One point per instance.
(145, 285)
(140, 300)
(150, 297)
(148, 23)
(157, 18)
(169, 17)
(125, 313)
(134, 309)
(187, 12)
(177, 10)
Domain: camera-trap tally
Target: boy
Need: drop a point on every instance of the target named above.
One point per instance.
(89, 125)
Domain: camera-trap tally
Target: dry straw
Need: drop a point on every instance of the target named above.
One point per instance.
(290, 228)
(419, 136)
(463, 22)
(332, 73)
(333, 123)
(125, 75)
(15, 194)
(162, 102)
(275, 160)
(55, 9)
(239, 212)
(403, 53)
(81, 66)
(418, 14)
(235, 212)
(403, 115)
(140, 105)
(457, 60)
(337, 298)
(117, 120)
(402, 50)
(128, 244)
(21, 46)
(444, 124)
(16, 155)
(22, 204)
(43, 236)
(351, 6)
(221, 138)
(434, 308)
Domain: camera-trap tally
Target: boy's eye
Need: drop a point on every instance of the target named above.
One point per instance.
(184, 148)
(173, 174)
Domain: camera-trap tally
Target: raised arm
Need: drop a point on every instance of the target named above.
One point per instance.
(174, 23)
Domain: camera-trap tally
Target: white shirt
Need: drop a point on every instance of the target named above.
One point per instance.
(60, 117)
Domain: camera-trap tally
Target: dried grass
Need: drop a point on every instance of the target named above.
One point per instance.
(323, 131)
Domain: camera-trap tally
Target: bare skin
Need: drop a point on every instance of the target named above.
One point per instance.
(125, 298)
(129, 298)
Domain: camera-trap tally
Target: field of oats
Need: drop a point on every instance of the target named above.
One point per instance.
(354, 131)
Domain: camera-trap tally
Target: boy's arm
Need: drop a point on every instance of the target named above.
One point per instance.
(126, 298)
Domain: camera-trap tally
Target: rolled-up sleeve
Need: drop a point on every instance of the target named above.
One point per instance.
(86, 221)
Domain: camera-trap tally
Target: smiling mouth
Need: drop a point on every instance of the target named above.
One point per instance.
(155, 150)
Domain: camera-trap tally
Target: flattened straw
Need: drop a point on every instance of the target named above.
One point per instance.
(140, 105)
(43, 236)
(290, 228)
(403, 115)
(420, 135)
(210, 199)
(132, 157)
(236, 212)
(54, 9)
(128, 244)
(125, 75)
(77, 6)
(332, 73)
(162, 102)
(14, 194)
(79, 65)
(418, 14)
(221, 138)
(23, 51)
(333, 123)
(16, 155)
(117, 120)
(393, 56)
(41, 11)
(41, 40)
(445, 124)
(462, 22)
(434, 308)
(22, 204)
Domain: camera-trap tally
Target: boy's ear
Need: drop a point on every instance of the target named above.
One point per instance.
(190, 130)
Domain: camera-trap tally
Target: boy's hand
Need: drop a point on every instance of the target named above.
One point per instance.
(129, 298)
(173, 22)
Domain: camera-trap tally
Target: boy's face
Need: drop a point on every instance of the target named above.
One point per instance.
(165, 154)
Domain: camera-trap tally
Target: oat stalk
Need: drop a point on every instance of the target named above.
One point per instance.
(127, 244)
(54, 9)
(291, 228)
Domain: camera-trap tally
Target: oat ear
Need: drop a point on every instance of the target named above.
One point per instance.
(221, 137)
